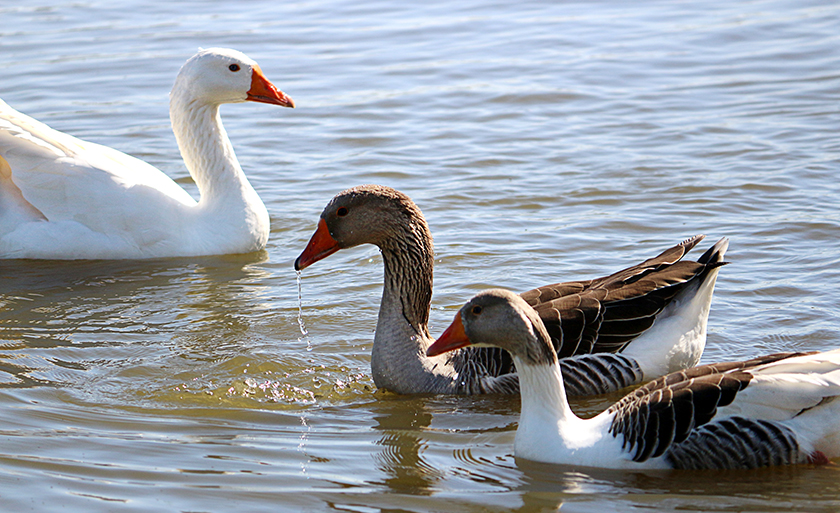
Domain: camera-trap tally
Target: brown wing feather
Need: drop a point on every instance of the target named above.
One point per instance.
(604, 314)
(597, 316)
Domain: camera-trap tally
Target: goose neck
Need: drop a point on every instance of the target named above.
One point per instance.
(398, 360)
(208, 153)
(408, 260)
(543, 393)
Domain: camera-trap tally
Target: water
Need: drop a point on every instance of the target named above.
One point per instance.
(543, 142)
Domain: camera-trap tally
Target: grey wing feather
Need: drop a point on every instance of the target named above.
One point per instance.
(656, 417)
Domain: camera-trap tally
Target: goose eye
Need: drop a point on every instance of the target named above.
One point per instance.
(476, 310)
(234, 67)
(341, 212)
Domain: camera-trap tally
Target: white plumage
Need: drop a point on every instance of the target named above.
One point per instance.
(772, 410)
(62, 197)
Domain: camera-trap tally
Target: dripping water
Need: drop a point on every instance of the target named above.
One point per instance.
(301, 324)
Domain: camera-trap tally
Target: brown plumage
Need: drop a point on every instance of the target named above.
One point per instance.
(604, 314)
(592, 316)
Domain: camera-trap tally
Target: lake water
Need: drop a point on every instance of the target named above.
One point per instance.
(544, 141)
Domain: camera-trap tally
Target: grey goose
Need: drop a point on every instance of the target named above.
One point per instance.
(612, 332)
(772, 410)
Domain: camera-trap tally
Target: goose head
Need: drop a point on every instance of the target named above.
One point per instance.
(499, 318)
(367, 214)
(215, 76)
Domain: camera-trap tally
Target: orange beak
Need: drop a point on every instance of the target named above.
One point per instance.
(264, 91)
(320, 246)
(453, 338)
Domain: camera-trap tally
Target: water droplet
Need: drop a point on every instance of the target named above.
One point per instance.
(301, 324)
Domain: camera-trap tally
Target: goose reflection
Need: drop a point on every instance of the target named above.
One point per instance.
(58, 317)
(402, 422)
(546, 487)
(418, 434)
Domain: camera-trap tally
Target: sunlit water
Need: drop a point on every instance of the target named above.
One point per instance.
(543, 141)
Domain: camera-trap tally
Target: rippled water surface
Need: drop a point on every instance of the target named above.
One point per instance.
(544, 141)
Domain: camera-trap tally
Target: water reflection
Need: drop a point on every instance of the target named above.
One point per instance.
(20, 374)
(428, 441)
(402, 422)
(550, 485)
(49, 310)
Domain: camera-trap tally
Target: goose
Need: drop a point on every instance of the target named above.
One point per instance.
(65, 198)
(612, 332)
(771, 410)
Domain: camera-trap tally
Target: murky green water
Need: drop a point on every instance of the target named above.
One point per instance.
(543, 141)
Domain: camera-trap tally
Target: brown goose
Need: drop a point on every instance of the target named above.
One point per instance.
(642, 322)
(773, 410)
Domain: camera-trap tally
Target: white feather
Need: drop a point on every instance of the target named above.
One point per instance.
(62, 197)
(678, 337)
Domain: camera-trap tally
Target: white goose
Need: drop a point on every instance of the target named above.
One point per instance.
(652, 315)
(64, 198)
(773, 410)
